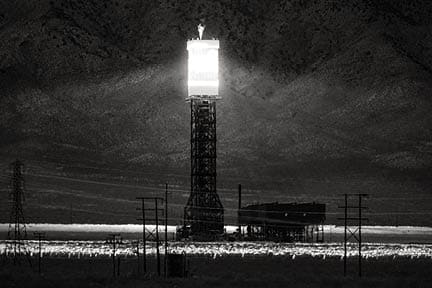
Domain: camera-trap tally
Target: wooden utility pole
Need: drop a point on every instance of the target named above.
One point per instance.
(40, 236)
(166, 231)
(239, 207)
(143, 219)
(137, 247)
(345, 232)
(115, 239)
(143, 209)
(157, 236)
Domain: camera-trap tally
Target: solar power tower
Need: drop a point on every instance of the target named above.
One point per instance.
(204, 213)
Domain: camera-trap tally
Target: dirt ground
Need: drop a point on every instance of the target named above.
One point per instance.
(229, 271)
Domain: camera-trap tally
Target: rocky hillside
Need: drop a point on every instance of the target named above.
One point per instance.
(336, 92)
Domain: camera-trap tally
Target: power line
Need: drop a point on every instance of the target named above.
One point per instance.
(220, 191)
(63, 207)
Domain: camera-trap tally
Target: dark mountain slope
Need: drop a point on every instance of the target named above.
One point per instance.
(311, 90)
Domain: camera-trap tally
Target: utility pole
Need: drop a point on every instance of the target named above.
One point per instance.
(143, 209)
(356, 231)
(143, 219)
(360, 234)
(115, 239)
(345, 232)
(239, 207)
(40, 236)
(157, 235)
(166, 231)
(137, 246)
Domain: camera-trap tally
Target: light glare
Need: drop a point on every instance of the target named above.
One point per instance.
(203, 68)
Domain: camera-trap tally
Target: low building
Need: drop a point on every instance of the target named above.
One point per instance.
(287, 222)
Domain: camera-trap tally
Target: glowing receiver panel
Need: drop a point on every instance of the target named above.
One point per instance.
(203, 68)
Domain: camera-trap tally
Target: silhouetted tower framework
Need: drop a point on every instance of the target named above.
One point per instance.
(204, 214)
(354, 234)
(17, 228)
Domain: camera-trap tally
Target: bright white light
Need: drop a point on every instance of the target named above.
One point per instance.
(322, 250)
(203, 68)
(203, 83)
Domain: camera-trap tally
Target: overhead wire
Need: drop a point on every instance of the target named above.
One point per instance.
(155, 188)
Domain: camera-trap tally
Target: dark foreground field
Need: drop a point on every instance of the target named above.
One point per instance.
(229, 271)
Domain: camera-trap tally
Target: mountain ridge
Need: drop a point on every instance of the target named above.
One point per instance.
(306, 85)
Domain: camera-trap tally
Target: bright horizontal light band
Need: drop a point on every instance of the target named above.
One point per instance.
(203, 83)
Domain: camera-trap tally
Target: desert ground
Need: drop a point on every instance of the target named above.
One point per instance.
(227, 271)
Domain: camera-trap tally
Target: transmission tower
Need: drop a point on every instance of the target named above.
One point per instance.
(204, 214)
(17, 233)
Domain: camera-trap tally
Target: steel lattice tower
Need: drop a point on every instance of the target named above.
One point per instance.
(204, 213)
(17, 228)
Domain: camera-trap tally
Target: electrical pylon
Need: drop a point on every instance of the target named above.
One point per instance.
(17, 234)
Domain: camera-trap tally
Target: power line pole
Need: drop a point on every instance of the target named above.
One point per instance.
(354, 232)
(137, 252)
(166, 230)
(143, 209)
(157, 235)
(17, 229)
(239, 208)
(143, 219)
(360, 233)
(345, 232)
(115, 239)
(40, 236)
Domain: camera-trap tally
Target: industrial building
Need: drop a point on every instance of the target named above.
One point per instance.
(286, 222)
